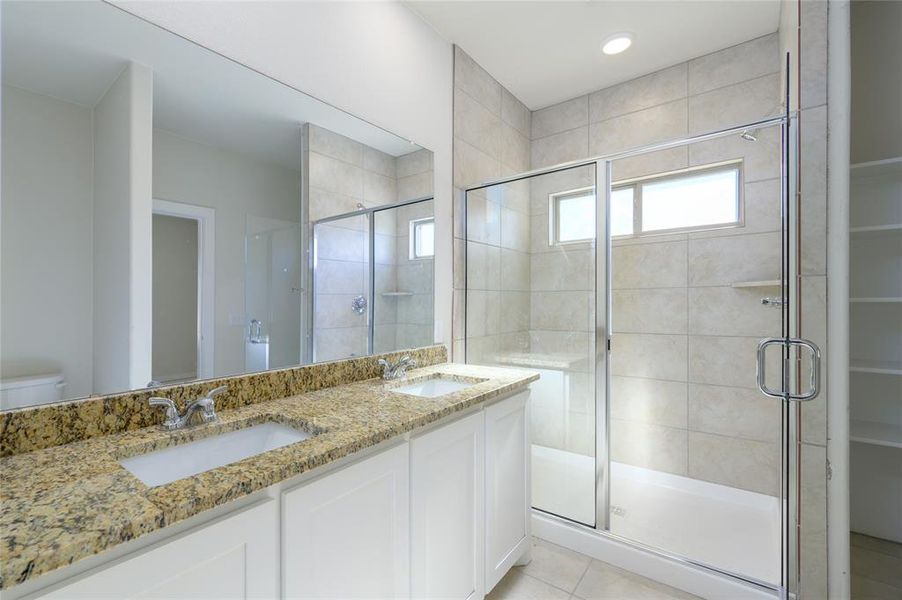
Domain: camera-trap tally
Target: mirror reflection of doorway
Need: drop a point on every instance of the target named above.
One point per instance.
(182, 289)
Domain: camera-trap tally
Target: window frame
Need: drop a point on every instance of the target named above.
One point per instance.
(636, 184)
(412, 234)
(553, 212)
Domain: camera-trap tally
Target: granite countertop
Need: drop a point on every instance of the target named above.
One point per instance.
(65, 503)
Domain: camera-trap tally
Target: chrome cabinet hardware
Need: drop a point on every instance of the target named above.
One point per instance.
(205, 405)
(814, 383)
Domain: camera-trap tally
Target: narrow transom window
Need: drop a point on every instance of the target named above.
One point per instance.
(422, 238)
(572, 216)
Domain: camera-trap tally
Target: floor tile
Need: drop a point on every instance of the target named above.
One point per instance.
(868, 589)
(877, 566)
(518, 586)
(561, 567)
(860, 540)
(603, 581)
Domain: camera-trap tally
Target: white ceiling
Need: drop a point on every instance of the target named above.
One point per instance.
(547, 52)
(74, 50)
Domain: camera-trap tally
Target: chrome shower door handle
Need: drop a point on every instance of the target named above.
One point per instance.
(814, 384)
(761, 372)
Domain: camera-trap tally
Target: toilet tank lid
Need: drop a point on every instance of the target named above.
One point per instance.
(11, 383)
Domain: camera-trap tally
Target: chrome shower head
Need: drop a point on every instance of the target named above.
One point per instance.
(749, 136)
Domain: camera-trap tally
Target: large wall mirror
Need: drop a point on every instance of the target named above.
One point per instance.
(171, 215)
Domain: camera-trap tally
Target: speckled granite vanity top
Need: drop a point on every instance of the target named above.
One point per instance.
(67, 502)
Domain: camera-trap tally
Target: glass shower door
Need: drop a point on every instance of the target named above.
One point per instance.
(698, 277)
(530, 275)
(341, 288)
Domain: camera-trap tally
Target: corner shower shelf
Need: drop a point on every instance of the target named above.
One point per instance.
(767, 283)
(880, 367)
(396, 294)
(878, 434)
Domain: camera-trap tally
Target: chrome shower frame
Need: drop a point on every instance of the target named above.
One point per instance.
(789, 499)
(369, 213)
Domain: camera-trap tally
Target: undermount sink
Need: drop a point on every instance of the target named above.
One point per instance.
(433, 387)
(177, 462)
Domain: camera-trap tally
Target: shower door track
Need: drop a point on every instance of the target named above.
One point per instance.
(371, 276)
(603, 163)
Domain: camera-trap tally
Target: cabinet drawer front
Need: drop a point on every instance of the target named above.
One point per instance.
(447, 510)
(235, 557)
(346, 535)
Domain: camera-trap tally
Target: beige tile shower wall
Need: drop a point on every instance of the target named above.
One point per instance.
(342, 174)
(491, 139)
(683, 390)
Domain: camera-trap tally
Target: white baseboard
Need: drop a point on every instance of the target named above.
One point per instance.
(684, 576)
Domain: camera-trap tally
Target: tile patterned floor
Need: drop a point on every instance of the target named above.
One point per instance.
(876, 568)
(558, 573)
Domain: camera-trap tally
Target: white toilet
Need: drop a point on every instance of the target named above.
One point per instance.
(30, 390)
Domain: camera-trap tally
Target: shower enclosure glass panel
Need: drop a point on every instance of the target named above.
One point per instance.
(341, 287)
(530, 303)
(403, 278)
(695, 447)
(272, 294)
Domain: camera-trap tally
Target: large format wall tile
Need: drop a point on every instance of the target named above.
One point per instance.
(560, 148)
(733, 312)
(640, 128)
(649, 355)
(336, 146)
(734, 105)
(760, 159)
(649, 446)
(560, 117)
(473, 166)
(745, 464)
(561, 311)
(483, 266)
(734, 412)
(649, 266)
(650, 311)
(650, 90)
(563, 268)
(728, 260)
(735, 64)
(649, 401)
(335, 175)
(729, 361)
(476, 125)
(515, 113)
(476, 81)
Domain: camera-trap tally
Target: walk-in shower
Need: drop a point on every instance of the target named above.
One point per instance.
(372, 280)
(639, 285)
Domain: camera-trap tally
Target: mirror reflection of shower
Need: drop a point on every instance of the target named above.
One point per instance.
(272, 294)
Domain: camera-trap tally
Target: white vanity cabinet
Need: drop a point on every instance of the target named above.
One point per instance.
(234, 557)
(444, 513)
(447, 510)
(507, 487)
(347, 534)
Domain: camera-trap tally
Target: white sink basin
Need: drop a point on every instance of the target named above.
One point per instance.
(177, 462)
(432, 388)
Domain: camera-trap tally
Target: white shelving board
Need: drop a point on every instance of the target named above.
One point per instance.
(880, 367)
(878, 434)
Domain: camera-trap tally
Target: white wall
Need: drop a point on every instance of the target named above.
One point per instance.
(235, 186)
(376, 60)
(46, 291)
(123, 122)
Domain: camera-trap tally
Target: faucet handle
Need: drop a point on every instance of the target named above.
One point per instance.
(216, 391)
(172, 413)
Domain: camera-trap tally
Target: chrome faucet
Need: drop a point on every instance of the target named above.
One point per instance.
(205, 404)
(398, 369)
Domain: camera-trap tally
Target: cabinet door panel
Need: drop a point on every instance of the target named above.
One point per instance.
(346, 535)
(447, 526)
(236, 557)
(507, 485)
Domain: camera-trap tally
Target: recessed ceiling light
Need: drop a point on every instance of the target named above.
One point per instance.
(617, 43)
